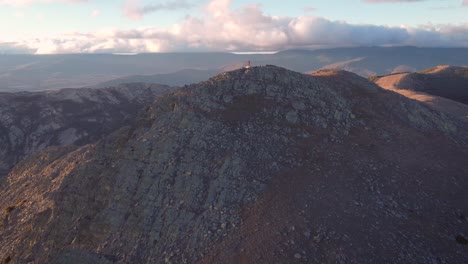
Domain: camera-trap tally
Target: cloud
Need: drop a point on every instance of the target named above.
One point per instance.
(40, 17)
(20, 3)
(392, 1)
(440, 35)
(19, 15)
(95, 13)
(135, 10)
(222, 28)
(319, 31)
(464, 3)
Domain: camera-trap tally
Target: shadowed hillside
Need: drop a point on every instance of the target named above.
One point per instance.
(30, 122)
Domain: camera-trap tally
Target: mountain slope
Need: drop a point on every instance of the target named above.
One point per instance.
(445, 81)
(259, 165)
(30, 122)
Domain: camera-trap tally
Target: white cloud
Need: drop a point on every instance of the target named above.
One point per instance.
(320, 31)
(95, 13)
(40, 17)
(131, 9)
(28, 2)
(19, 14)
(392, 1)
(135, 10)
(222, 28)
(464, 3)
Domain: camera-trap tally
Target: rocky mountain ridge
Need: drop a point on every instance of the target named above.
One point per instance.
(30, 122)
(259, 165)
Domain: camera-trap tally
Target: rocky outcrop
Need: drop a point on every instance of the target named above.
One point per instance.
(30, 122)
(259, 165)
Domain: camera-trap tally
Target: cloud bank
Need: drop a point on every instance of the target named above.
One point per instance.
(29, 2)
(464, 2)
(248, 28)
(134, 9)
(392, 1)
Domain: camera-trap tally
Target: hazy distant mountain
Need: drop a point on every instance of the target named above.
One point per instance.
(179, 78)
(445, 81)
(30, 73)
(30, 122)
(260, 165)
(43, 72)
(379, 61)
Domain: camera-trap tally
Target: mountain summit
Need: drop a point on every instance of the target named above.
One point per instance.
(259, 165)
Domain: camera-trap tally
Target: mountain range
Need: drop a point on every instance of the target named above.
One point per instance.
(49, 72)
(444, 81)
(178, 78)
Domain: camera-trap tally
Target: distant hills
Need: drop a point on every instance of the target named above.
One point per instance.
(442, 88)
(32, 73)
(445, 81)
(179, 78)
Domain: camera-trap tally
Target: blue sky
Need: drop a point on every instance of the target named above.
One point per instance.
(74, 26)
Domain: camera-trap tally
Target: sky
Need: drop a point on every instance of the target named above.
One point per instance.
(137, 26)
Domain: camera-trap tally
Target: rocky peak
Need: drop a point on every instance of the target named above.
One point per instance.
(257, 165)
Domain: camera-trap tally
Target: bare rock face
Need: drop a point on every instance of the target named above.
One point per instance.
(259, 165)
(30, 122)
